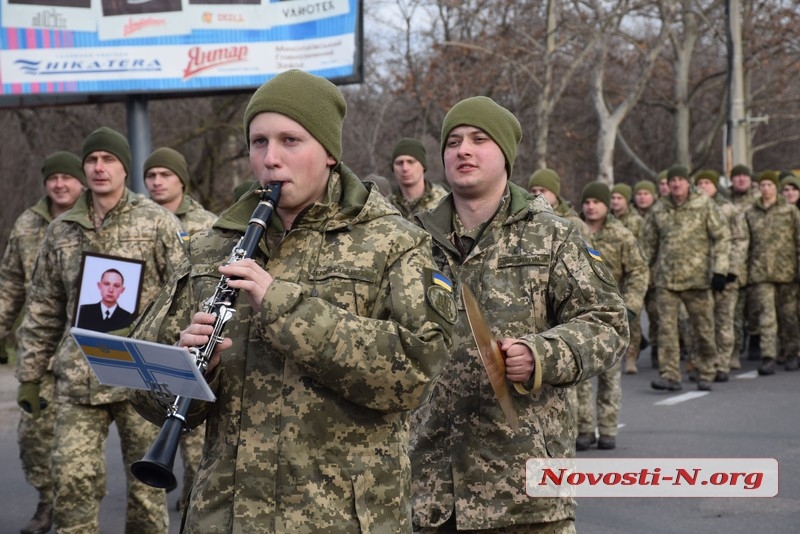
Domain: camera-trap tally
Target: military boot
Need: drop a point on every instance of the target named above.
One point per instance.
(793, 363)
(767, 367)
(630, 365)
(41, 521)
(585, 440)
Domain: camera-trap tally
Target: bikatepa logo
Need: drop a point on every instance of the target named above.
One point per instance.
(87, 66)
(203, 59)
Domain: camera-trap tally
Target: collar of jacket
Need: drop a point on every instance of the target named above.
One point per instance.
(80, 211)
(437, 222)
(42, 209)
(187, 204)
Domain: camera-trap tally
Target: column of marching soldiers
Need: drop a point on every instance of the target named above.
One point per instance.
(715, 268)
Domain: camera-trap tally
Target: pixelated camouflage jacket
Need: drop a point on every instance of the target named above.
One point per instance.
(744, 200)
(632, 221)
(309, 432)
(774, 253)
(535, 280)
(16, 267)
(429, 200)
(564, 209)
(136, 228)
(193, 216)
(620, 250)
(740, 238)
(686, 244)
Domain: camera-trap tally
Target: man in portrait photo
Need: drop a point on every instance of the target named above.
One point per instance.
(106, 315)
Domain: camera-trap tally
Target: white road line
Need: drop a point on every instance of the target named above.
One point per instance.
(749, 374)
(681, 398)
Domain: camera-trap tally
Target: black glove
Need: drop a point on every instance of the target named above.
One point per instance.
(731, 278)
(29, 400)
(718, 282)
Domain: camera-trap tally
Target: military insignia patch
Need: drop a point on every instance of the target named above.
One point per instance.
(439, 294)
(441, 280)
(593, 253)
(183, 237)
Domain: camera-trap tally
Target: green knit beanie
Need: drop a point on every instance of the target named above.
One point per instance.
(741, 169)
(792, 180)
(677, 171)
(624, 190)
(772, 176)
(647, 185)
(411, 147)
(111, 141)
(597, 190)
(64, 163)
(708, 174)
(312, 101)
(484, 113)
(172, 160)
(547, 178)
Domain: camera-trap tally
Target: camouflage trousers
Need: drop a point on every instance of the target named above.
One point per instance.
(700, 309)
(775, 307)
(724, 308)
(652, 316)
(79, 462)
(191, 453)
(566, 526)
(36, 440)
(636, 339)
(609, 402)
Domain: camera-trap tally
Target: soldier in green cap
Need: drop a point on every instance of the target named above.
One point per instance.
(63, 183)
(547, 183)
(772, 272)
(166, 177)
(620, 251)
(684, 239)
(645, 197)
(555, 310)
(707, 181)
(621, 198)
(342, 327)
(414, 193)
(112, 221)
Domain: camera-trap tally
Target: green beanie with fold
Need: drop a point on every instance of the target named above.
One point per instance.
(708, 174)
(111, 141)
(63, 162)
(624, 190)
(170, 159)
(677, 171)
(646, 185)
(411, 147)
(741, 169)
(772, 176)
(547, 178)
(312, 101)
(791, 179)
(597, 190)
(484, 113)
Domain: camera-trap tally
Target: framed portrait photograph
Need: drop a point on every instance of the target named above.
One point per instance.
(109, 292)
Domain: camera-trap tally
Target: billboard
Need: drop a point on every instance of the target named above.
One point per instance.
(61, 51)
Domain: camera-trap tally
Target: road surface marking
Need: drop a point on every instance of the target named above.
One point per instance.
(681, 398)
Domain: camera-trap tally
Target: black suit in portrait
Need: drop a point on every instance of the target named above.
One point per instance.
(90, 317)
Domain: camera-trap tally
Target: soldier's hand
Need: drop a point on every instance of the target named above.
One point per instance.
(718, 282)
(28, 399)
(519, 360)
(199, 333)
(248, 276)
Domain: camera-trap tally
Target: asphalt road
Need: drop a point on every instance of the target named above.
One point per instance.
(748, 417)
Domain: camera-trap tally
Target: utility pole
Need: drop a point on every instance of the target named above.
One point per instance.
(736, 151)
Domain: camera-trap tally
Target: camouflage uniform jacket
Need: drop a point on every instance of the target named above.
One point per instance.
(136, 228)
(535, 280)
(429, 199)
(193, 216)
(744, 200)
(774, 254)
(18, 260)
(620, 250)
(687, 243)
(632, 221)
(309, 432)
(563, 209)
(740, 238)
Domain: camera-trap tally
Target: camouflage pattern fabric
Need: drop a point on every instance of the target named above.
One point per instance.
(700, 310)
(535, 279)
(193, 218)
(620, 251)
(632, 221)
(138, 229)
(563, 209)
(743, 318)
(309, 432)
(775, 306)
(429, 199)
(35, 438)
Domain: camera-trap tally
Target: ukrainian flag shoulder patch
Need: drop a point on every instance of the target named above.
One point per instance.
(593, 253)
(183, 237)
(442, 281)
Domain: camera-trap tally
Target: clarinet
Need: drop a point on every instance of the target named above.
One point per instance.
(155, 468)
